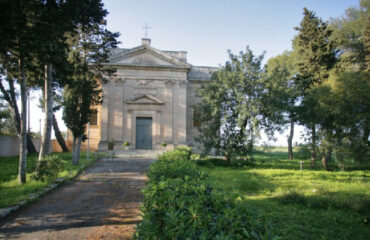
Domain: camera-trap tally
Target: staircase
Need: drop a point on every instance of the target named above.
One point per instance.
(129, 154)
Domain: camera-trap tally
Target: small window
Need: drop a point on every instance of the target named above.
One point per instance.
(196, 119)
(94, 117)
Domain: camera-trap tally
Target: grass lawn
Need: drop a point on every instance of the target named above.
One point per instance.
(312, 204)
(11, 192)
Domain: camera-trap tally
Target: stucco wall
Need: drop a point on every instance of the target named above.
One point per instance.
(9, 146)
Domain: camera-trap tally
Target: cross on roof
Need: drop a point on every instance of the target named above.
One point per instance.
(146, 28)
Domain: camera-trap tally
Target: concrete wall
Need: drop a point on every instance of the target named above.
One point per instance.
(9, 146)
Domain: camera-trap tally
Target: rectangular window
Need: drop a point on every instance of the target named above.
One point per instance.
(94, 117)
(196, 118)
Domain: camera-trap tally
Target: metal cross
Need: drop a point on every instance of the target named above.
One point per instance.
(146, 28)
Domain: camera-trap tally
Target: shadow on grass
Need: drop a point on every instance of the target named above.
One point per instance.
(298, 221)
(239, 180)
(347, 201)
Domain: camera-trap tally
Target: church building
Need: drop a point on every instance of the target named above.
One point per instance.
(148, 101)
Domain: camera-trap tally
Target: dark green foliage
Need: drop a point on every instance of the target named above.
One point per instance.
(111, 145)
(230, 110)
(176, 168)
(180, 204)
(351, 32)
(49, 168)
(89, 46)
(316, 54)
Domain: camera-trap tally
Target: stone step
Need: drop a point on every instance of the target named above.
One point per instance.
(126, 154)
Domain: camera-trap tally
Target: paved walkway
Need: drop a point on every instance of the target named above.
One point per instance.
(103, 203)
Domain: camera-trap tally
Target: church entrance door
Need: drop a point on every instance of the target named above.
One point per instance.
(143, 133)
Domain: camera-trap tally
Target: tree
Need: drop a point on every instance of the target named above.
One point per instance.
(57, 105)
(316, 56)
(351, 32)
(230, 106)
(15, 35)
(350, 107)
(89, 46)
(58, 135)
(78, 99)
(281, 94)
(16, 55)
(55, 18)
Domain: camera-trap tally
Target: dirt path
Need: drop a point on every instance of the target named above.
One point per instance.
(103, 203)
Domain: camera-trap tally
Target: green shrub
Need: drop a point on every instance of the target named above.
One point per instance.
(126, 144)
(180, 153)
(180, 204)
(173, 169)
(111, 145)
(195, 157)
(49, 168)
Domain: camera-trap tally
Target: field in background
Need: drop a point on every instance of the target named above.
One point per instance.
(308, 204)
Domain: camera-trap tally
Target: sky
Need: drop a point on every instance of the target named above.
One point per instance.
(206, 29)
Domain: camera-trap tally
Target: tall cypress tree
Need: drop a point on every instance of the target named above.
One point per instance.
(89, 46)
(316, 56)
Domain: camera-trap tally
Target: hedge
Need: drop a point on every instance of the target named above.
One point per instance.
(179, 203)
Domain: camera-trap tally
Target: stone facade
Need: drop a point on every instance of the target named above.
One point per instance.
(152, 84)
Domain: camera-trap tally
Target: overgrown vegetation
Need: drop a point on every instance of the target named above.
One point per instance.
(308, 204)
(179, 203)
(59, 166)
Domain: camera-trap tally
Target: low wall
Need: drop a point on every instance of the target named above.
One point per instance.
(9, 145)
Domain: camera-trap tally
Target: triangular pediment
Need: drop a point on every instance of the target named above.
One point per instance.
(144, 99)
(147, 56)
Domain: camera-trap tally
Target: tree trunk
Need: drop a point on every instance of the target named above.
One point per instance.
(227, 157)
(313, 145)
(48, 120)
(290, 140)
(59, 136)
(73, 150)
(23, 135)
(328, 154)
(324, 159)
(14, 109)
(77, 151)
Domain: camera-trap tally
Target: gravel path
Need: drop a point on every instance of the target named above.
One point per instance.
(103, 203)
